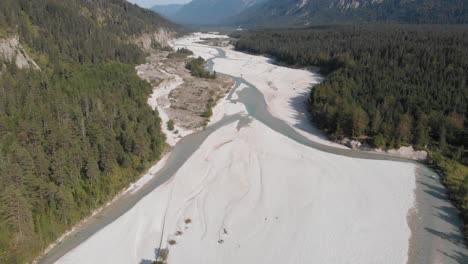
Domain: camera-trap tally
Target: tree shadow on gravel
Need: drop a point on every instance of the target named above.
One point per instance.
(455, 238)
(435, 191)
(302, 117)
(449, 214)
(457, 256)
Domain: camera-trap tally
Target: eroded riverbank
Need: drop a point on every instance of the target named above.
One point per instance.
(180, 98)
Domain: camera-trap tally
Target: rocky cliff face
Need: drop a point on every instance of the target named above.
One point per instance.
(11, 51)
(161, 37)
(353, 4)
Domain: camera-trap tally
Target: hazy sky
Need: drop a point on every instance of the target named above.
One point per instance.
(150, 3)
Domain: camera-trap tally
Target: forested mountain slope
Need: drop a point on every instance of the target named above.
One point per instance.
(388, 85)
(205, 12)
(167, 10)
(77, 130)
(305, 12)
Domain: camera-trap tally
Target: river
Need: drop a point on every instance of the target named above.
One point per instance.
(434, 224)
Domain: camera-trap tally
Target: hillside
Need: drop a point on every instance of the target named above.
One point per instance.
(167, 10)
(75, 128)
(305, 12)
(206, 12)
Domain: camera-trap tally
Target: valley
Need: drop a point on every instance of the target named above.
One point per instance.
(308, 131)
(261, 184)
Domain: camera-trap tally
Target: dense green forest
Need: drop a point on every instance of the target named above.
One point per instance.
(78, 131)
(388, 85)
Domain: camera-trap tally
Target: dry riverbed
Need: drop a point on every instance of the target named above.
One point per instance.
(258, 186)
(179, 97)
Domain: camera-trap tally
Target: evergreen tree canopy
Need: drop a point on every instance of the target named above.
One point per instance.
(390, 85)
(78, 131)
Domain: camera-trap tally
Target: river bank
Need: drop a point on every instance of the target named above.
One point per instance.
(253, 183)
(180, 98)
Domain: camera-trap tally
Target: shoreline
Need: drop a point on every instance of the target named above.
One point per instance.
(351, 152)
(127, 190)
(349, 143)
(436, 228)
(422, 161)
(153, 170)
(422, 164)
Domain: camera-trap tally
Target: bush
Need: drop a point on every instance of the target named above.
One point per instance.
(195, 67)
(379, 141)
(170, 125)
(180, 53)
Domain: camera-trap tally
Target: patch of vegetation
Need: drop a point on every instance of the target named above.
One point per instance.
(209, 108)
(162, 259)
(180, 54)
(74, 140)
(3, 33)
(158, 46)
(170, 125)
(196, 68)
(172, 242)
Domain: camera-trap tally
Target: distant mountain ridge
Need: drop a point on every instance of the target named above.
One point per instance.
(305, 12)
(209, 12)
(167, 10)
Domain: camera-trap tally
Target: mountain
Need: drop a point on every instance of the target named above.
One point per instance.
(75, 128)
(205, 12)
(305, 12)
(167, 10)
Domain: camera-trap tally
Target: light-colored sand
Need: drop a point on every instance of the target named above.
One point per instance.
(226, 108)
(254, 196)
(251, 203)
(285, 89)
(406, 152)
(199, 50)
(134, 187)
(159, 100)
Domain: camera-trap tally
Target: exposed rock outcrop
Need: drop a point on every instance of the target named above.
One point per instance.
(408, 152)
(11, 51)
(160, 38)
